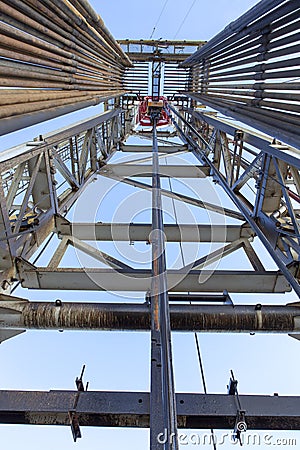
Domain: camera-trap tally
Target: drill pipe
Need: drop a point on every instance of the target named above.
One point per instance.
(136, 317)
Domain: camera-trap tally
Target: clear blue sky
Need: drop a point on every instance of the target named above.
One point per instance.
(134, 19)
(120, 361)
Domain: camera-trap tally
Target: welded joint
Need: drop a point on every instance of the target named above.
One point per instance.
(27, 272)
(62, 226)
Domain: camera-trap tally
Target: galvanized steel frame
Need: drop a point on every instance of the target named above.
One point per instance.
(42, 179)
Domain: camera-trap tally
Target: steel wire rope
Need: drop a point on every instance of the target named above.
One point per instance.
(184, 19)
(195, 334)
(160, 14)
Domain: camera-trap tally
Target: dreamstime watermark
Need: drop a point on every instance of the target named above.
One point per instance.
(203, 439)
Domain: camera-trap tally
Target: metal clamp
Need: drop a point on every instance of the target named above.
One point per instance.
(74, 422)
(238, 135)
(240, 425)
(73, 416)
(79, 381)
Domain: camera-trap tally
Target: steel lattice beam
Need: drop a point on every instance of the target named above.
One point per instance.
(272, 206)
(30, 193)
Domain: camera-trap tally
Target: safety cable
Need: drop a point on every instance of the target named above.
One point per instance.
(195, 334)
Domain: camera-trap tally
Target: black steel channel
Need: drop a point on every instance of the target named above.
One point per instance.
(163, 417)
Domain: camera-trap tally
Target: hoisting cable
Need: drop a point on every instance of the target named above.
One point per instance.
(184, 19)
(214, 444)
(195, 334)
(161, 12)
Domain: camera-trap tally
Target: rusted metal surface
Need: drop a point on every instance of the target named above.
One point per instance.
(63, 58)
(122, 316)
(131, 409)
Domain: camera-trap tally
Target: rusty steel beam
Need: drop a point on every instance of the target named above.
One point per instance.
(131, 409)
(21, 314)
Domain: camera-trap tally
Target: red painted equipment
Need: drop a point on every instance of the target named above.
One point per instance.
(147, 105)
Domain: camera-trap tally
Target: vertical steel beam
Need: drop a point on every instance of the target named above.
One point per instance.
(163, 416)
(156, 77)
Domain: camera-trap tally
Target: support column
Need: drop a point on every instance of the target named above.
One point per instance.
(163, 418)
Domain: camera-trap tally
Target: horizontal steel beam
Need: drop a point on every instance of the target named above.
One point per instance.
(184, 198)
(131, 409)
(140, 232)
(139, 280)
(148, 149)
(21, 314)
(145, 170)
